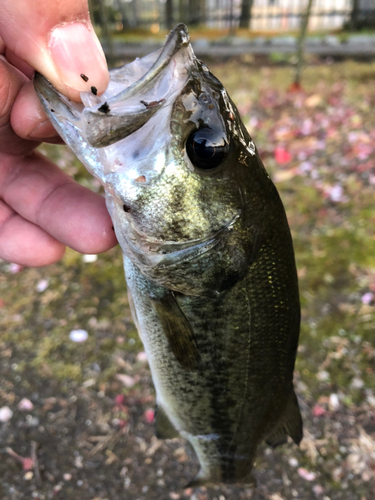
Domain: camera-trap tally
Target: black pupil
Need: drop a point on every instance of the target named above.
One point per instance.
(206, 148)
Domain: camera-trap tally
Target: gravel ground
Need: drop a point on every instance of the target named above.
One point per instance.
(76, 417)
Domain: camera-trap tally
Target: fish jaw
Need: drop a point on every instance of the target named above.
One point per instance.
(135, 93)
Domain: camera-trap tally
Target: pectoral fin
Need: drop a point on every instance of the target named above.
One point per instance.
(177, 330)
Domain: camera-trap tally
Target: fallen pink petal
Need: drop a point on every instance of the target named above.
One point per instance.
(142, 357)
(25, 405)
(126, 380)
(318, 411)
(78, 335)
(367, 298)
(282, 156)
(305, 474)
(149, 415)
(5, 414)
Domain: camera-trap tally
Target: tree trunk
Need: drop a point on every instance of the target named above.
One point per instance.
(121, 8)
(135, 7)
(232, 30)
(353, 22)
(106, 36)
(169, 14)
(182, 12)
(245, 16)
(300, 46)
(196, 12)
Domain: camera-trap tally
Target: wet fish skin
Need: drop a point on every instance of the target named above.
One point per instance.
(208, 256)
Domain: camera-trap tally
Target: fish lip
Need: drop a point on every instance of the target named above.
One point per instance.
(52, 97)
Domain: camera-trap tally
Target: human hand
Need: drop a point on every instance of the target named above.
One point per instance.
(41, 208)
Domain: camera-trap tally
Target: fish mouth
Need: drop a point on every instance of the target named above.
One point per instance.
(113, 116)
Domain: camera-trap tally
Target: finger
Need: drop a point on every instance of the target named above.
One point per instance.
(44, 195)
(58, 40)
(11, 81)
(2, 46)
(19, 63)
(25, 243)
(28, 118)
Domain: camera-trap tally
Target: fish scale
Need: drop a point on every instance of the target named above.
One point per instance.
(208, 254)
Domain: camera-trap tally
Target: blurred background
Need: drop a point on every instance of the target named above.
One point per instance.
(256, 15)
(76, 396)
(228, 27)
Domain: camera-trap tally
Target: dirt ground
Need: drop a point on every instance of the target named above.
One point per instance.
(76, 417)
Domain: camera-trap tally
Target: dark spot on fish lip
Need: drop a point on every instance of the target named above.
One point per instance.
(126, 208)
(152, 104)
(94, 90)
(52, 110)
(141, 178)
(104, 108)
(84, 77)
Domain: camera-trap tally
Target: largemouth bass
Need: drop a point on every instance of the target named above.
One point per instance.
(208, 254)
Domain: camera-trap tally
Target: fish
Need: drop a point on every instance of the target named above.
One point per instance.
(208, 253)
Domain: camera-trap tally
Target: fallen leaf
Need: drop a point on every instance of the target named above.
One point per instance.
(318, 411)
(149, 415)
(282, 156)
(313, 101)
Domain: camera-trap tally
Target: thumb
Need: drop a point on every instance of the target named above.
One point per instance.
(57, 39)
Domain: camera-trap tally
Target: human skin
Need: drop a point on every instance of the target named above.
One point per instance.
(42, 210)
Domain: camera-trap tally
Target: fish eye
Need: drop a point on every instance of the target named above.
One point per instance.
(206, 148)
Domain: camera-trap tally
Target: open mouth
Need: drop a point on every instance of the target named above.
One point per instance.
(103, 121)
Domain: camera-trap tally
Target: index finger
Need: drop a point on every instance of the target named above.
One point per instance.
(58, 40)
(44, 195)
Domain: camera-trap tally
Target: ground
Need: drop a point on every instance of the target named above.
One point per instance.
(76, 417)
